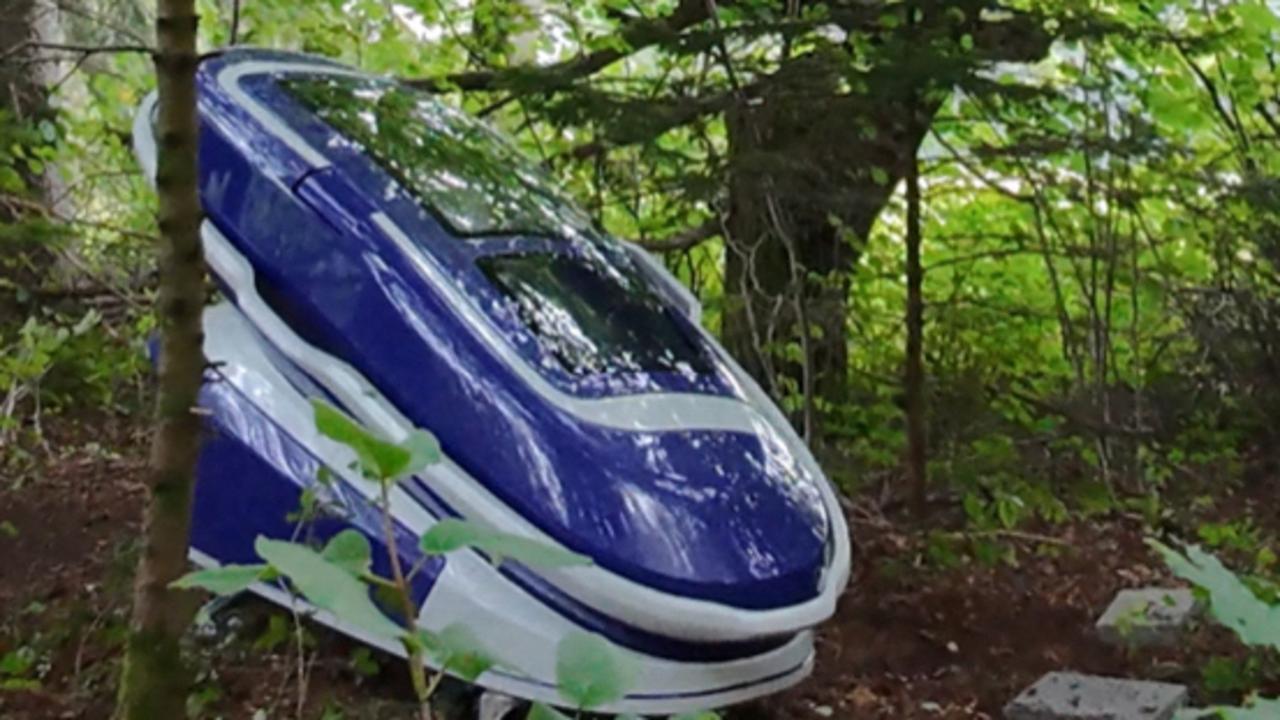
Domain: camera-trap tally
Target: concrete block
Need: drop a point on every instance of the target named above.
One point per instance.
(1147, 617)
(1072, 696)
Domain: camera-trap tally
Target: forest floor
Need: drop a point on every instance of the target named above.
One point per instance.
(912, 639)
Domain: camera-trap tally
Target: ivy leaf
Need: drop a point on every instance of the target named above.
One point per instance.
(1231, 602)
(225, 580)
(350, 551)
(326, 585)
(590, 672)
(453, 534)
(379, 459)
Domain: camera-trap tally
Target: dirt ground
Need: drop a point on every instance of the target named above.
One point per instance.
(911, 639)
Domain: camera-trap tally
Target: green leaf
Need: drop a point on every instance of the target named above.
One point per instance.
(379, 459)
(538, 711)
(17, 662)
(1231, 602)
(225, 580)
(423, 449)
(350, 551)
(699, 715)
(591, 672)
(453, 534)
(458, 650)
(326, 585)
(1256, 709)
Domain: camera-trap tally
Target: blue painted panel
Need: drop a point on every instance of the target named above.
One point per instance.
(702, 514)
(250, 479)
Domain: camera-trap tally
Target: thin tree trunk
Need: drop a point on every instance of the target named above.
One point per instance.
(154, 680)
(25, 79)
(917, 452)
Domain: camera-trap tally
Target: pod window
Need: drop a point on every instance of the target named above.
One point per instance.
(592, 317)
(467, 175)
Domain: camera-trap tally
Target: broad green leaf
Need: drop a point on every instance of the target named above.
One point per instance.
(1256, 709)
(350, 551)
(423, 449)
(538, 711)
(1231, 602)
(379, 459)
(699, 715)
(591, 672)
(458, 650)
(326, 585)
(225, 580)
(453, 534)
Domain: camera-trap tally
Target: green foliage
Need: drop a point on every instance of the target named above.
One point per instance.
(223, 580)
(350, 551)
(275, 634)
(457, 649)
(453, 534)
(328, 586)
(363, 662)
(19, 669)
(1236, 607)
(379, 459)
(540, 711)
(591, 672)
(1254, 709)
(1231, 602)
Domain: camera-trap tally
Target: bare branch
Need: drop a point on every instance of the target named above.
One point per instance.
(684, 240)
(82, 50)
(636, 35)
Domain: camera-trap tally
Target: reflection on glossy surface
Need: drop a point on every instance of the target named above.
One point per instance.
(592, 317)
(472, 178)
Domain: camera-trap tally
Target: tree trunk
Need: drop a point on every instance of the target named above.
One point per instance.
(810, 170)
(25, 78)
(913, 380)
(154, 680)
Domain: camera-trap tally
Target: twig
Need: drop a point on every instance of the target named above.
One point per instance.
(235, 23)
(1013, 535)
(85, 50)
(683, 240)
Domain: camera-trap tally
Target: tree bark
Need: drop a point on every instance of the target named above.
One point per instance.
(824, 145)
(25, 78)
(154, 680)
(810, 170)
(914, 379)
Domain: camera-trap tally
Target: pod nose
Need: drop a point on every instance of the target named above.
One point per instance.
(722, 516)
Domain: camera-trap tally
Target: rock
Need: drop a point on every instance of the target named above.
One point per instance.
(496, 706)
(1147, 617)
(1072, 696)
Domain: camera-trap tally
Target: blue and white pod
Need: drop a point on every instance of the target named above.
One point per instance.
(398, 258)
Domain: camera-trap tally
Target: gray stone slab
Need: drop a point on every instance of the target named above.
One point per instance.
(496, 706)
(1072, 696)
(1147, 617)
